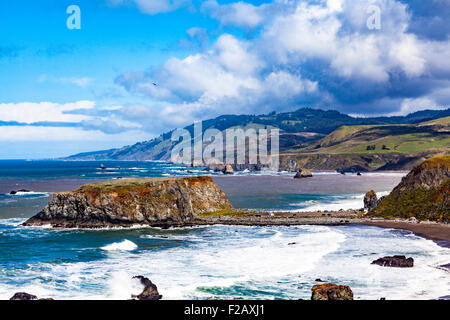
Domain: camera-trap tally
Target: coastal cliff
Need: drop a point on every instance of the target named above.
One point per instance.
(151, 201)
(423, 194)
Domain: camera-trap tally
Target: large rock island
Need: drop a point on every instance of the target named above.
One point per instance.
(150, 201)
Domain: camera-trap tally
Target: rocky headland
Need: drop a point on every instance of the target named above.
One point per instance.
(424, 194)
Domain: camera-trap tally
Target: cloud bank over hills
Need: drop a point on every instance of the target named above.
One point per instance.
(254, 58)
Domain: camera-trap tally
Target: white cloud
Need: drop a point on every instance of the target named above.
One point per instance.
(238, 14)
(78, 81)
(412, 105)
(29, 112)
(31, 133)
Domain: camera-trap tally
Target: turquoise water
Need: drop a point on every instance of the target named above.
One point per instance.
(212, 262)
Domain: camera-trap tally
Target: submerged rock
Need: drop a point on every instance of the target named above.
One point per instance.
(23, 296)
(303, 173)
(152, 201)
(331, 291)
(395, 262)
(370, 200)
(150, 291)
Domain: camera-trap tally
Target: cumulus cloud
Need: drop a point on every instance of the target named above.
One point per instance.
(307, 53)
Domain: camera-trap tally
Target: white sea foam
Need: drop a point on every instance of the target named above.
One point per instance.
(252, 258)
(126, 245)
(345, 203)
(30, 193)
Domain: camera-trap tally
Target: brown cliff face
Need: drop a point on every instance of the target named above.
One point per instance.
(152, 201)
(424, 193)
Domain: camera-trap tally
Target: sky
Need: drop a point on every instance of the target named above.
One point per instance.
(133, 69)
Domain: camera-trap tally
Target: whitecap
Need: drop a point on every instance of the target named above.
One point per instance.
(125, 245)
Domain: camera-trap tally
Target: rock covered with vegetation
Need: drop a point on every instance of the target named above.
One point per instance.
(423, 194)
(150, 201)
(331, 291)
(370, 199)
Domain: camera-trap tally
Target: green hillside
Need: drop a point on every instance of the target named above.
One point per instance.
(383, 139)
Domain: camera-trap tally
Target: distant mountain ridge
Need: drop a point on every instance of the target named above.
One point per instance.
(298, 128)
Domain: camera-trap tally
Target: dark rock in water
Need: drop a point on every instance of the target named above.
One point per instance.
(102, 166)
(12, 192)
(383, 299)
(318, 280)
(331, 291)
(150, 291)
(370, 200)
(395, 262)
(23, 296)
(303, 173)
(359, 174)
(292, 243)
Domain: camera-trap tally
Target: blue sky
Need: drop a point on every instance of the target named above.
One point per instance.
(65, 91)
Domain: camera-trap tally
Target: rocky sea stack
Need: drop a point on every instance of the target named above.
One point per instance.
(423, 194)
(151, 201)
(303, 173)
(395, 262)
(331, 291)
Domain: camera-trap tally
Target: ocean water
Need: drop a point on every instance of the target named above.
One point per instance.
(209, 262)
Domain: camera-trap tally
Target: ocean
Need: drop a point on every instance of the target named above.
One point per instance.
(209, 262)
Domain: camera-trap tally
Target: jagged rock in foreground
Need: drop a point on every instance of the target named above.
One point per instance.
(395, 262)
(150, 291)
(331, 291)
(303, 173)
(423, 194)
(151, 201)
(370, 200)
(23, 296)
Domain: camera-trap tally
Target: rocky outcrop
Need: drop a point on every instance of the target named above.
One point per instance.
(150, 291)
(370, 200)
(395, 262)
(303, 173)
(331, 291)
(228, 169)
(151, 201)
(26, 296)
(23, 296)
(423, 194)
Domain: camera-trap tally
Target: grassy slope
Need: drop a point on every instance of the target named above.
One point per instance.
(424, 204)
(404, 139)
